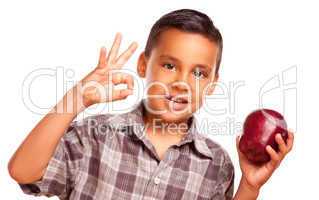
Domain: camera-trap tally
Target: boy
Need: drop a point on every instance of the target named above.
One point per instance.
(138, 155)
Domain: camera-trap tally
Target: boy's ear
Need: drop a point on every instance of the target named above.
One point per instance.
(212, 85)
(141, 65)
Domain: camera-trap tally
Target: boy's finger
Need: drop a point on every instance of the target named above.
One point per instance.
(121, 94)
(115, 48)
(275, 159)
(102, 58)
(128, 79)
(240, 154)
(237, 141)
(119, 78)
(126, 55)
(290, 141)
(281, 144)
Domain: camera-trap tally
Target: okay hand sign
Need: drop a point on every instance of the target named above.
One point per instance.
(98, 86)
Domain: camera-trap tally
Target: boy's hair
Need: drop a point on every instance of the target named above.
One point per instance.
(187, 20)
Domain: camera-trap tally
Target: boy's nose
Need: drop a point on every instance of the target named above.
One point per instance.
(181, 85)
(181, 82)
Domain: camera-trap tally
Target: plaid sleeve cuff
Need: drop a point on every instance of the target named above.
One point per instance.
(226, 176)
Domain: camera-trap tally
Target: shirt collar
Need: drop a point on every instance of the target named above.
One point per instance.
(134, 119)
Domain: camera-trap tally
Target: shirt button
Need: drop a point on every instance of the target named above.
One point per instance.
(157, 180)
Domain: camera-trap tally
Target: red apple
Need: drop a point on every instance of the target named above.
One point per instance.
(260, 128)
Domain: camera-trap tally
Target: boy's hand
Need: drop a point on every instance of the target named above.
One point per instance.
(98, 86)
(255, 176)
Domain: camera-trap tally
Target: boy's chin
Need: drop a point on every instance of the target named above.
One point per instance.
(173, 117)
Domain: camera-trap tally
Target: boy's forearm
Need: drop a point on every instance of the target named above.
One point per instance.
(31, 158)
(245, 191)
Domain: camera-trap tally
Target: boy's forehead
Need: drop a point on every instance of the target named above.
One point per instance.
(185, 46)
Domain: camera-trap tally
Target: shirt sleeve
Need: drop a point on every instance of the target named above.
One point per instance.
(59, 177)
(226, 177)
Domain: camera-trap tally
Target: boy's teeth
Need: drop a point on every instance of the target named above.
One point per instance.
(179, 100)
(176, 99)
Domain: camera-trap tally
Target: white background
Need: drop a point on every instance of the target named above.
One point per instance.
(261, 40)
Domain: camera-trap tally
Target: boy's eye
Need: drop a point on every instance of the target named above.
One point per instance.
(199, 73)
(168, 66)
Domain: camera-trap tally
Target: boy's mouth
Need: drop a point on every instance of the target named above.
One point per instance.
(177, 102)
(177, 99)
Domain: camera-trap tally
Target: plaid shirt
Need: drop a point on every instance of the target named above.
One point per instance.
(109, 157)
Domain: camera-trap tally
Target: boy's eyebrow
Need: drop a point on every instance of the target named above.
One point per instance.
(170, 57)
(177, 60)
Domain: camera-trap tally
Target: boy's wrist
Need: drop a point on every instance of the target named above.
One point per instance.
(246, 191)
(247, 185)
(71, 103)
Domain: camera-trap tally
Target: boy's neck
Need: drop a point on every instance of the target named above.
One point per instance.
(161, 135)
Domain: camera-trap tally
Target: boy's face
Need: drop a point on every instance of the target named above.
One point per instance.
(181, 64)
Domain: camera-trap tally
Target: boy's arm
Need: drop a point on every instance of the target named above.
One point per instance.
(254, 177)
(29, 162)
